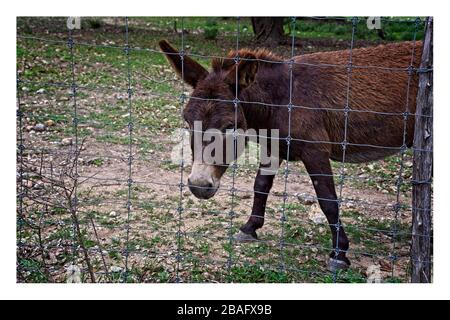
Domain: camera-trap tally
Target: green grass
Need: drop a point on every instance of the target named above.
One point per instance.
(257, 274)
(33, 270)
(394, 31)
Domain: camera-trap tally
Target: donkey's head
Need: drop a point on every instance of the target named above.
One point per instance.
(211, 114)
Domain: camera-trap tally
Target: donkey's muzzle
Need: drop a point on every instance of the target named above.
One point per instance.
(202, 190)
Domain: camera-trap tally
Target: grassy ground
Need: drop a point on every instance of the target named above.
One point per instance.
(149, 247)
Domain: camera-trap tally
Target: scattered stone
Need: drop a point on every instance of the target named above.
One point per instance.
(49, 123)
(39, 127)
(66, 141)
(115, 269)
(350, 205)
(25, 89)
(39, 186)
(41, 91)
(29, 128)
(306, 199)
(316, 215)
(113, 214)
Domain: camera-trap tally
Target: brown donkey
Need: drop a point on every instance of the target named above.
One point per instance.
(367, 121)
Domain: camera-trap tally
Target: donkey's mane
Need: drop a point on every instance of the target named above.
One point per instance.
(262, 55)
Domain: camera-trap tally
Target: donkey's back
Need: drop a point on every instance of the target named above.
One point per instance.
(380, 91)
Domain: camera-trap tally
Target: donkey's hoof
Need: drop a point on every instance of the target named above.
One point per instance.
(335, 265)
(244, 237)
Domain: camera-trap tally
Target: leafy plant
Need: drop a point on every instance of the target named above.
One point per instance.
(211, 29)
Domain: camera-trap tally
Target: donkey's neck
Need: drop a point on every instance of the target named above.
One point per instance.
(265, 97)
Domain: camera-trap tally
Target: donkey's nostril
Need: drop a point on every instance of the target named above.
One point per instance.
(209, 186)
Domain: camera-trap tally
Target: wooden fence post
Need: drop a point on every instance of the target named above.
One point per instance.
(421, 246)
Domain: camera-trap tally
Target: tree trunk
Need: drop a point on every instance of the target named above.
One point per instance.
(268, 30)
(421, 246)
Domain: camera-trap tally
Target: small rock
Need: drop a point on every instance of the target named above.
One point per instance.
(41, 91)
(39, 127)
(316, 215)
(306, 199)
(115, 269)
(350, 205)
(66, 141)
(113, 214)
(39, 186)
(29, 128)
(49, 123)
(25, 89)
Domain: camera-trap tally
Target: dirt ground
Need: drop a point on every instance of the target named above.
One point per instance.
(135, 232)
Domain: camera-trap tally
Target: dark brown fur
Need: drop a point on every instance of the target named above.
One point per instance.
(321, 88)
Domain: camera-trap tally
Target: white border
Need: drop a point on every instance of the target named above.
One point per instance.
(10, 290)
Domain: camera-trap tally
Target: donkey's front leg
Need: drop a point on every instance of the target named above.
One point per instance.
(317, 164)
(263, 184)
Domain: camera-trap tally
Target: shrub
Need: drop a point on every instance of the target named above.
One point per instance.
(211, 29)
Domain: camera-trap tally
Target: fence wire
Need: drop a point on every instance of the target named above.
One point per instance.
(83, 222)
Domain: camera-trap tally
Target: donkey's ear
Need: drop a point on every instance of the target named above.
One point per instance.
(191, 71)
(246, 72)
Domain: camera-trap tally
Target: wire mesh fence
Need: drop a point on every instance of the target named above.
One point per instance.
(100, 199)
